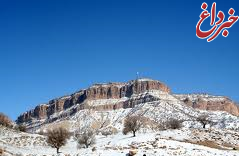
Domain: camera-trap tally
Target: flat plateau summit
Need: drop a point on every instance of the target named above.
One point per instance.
(115, 96)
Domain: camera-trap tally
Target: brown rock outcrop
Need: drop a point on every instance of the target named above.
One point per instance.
(128, 91)
(96, 92)
(41, 111)
(213, 103)
(220, 105)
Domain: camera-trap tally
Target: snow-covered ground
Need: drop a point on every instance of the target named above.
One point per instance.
(163, 143)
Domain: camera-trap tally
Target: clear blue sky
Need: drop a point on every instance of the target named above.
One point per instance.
(52, 48)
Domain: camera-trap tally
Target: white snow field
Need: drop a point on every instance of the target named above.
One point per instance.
(163, 143)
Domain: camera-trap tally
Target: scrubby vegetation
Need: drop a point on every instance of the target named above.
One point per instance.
(204, 120)
(21, 128)
(173, 124)
(1, 151)
(85, 137)
(132, 124)
(57, 137)
(5, 120)
(108, 131)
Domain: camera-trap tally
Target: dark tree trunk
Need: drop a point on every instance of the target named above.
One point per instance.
(204, 125)
(134, 133)
(57, 150)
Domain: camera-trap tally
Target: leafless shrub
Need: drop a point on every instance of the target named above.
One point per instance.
(133, 124)
(85, 137)
(93, 149)
(108, 131)
(1, 151)
(57, 137)
(204, 120)
(173, 124)
(160, 126)
(5, 120)
(101, 123)
(157, 125)
(104, 120)
(41, 132)
(21, 128)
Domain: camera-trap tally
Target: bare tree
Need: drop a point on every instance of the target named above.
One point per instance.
(104, 121)
(132, 124)
(5, 120)
(204, 120)
(57, 138)
(86, 138)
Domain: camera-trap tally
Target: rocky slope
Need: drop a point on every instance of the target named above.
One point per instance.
(210, 102)
(112, 96)
(114, 91)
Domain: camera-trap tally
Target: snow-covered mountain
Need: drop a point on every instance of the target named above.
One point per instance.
(105, 106)
(148, 97)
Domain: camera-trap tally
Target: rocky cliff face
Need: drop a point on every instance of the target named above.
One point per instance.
(210, 102)
(96, 92)
(113, 96)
